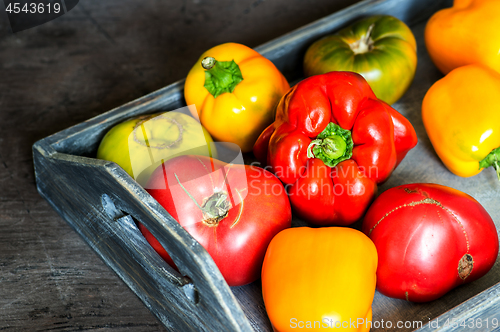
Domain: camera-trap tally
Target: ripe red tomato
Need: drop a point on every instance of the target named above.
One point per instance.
(233, 211)
(429, 239)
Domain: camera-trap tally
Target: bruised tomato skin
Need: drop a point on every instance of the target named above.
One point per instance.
(430, 239)
(252, 203)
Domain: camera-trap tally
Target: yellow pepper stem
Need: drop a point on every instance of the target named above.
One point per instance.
(492, 159)
(220, 76)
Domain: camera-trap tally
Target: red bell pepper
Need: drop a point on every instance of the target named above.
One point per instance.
(331, 144)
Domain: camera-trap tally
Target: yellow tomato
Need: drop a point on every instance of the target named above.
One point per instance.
(461, 117)
(464, 34)
(140, 144)
(317, 278)
(236, 96)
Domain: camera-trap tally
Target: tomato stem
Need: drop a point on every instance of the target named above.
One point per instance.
(214, 208)
(149, 124)
(365, 43)
(220, 76)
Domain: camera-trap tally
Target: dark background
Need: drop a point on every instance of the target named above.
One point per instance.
(101, 54)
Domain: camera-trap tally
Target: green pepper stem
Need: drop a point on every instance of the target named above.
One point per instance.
(333, 145)
(492, 159)
(220, 77)
(208, 62)
(496, 165)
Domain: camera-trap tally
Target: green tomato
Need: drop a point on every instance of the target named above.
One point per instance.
(140, 144)
(380, 48)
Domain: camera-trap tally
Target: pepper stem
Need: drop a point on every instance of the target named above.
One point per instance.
(492, 159)
(496, 166)
(333, 145)
(208, 62)
(220, 76)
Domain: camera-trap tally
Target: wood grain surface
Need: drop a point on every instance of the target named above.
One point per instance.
(96, 57)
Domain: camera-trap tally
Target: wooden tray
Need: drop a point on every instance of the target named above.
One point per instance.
(102, 202)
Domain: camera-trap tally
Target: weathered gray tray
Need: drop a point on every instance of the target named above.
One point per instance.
(100, 201)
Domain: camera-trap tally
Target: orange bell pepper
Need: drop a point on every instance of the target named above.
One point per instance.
(235, 91)
(464, 34)
(317, 278)
(461, 117)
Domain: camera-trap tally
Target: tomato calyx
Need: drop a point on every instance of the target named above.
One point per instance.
(151, 139)
(215, 208)
(492, 159)
(333, 145)
(220, 76)
(365, 43)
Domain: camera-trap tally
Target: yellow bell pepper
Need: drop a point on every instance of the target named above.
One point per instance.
(319, 278)
(235, 91)
(462, 119)
(464, 34)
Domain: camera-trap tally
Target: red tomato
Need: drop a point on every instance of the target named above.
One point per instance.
(233, 211)
(430, 239)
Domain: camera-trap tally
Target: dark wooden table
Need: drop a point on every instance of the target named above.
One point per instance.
(98, 56)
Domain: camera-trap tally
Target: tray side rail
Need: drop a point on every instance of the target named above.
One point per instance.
(479, 313)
